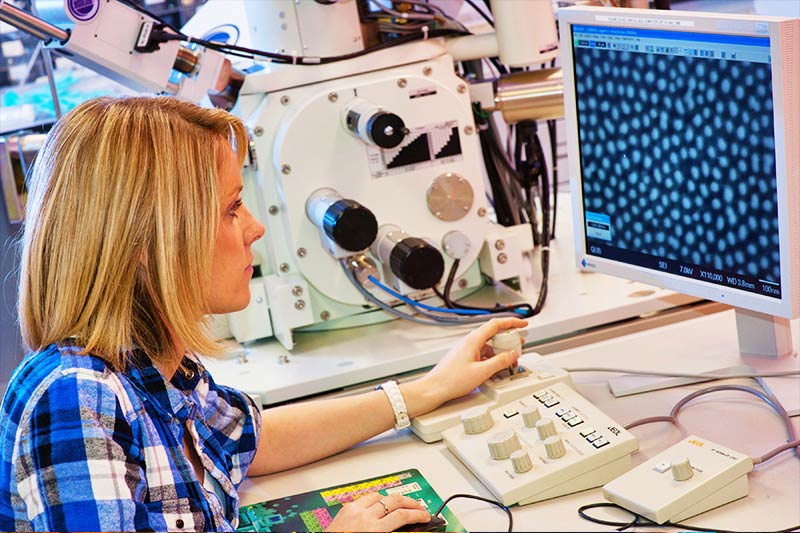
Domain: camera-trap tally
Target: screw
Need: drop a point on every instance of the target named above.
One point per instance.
(481, 211)
(258, 131)
(427, 71)
(468, 130)
(499, 244)
(297, 290)
(286, 170)
(301, 252)
(273, 210)
(325, 315)
(461, 88)
(300, 305)
(462, 283)
(259, 300)
(402, 82)
(285, 100)
(284, 267)
(332, 97)
(502, 258)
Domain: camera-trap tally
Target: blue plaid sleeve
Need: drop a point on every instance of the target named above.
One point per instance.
(77, 466)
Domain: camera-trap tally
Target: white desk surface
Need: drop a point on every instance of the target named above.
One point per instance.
(736, 420)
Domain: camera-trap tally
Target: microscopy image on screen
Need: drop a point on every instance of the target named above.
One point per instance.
(678, 158)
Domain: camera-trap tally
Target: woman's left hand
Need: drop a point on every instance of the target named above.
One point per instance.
(470, 362)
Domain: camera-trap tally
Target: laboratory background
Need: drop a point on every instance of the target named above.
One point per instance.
(625, 175)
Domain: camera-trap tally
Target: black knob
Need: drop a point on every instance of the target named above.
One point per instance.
(417, 263)
(351, 225)
(387, 130)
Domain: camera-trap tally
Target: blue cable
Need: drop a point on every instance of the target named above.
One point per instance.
(411, 302)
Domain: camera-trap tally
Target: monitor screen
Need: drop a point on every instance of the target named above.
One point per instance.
(681, 170)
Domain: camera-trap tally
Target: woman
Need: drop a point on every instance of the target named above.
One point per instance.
(135, 232)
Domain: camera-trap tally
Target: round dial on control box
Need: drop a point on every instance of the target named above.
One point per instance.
(530, 415)
(476, 420)
(546, 428)
(503, 444)
(521, 461)
(681, 469)
(554, 446)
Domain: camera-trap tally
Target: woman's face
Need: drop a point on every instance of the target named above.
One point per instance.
(231, 266)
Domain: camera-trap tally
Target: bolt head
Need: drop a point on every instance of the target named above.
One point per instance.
(325, 315)
(273, 210)
(297, 290)
(332, 97)
(461, 88)
(468, 130)
(502, 258)
(499, 244)
(285, 100)
(300, 305)
(286, 170)
(284, 267)
(301, 252)
(462, 283)
(258, 131)
(481, 211)
(427, 71)
(402, 82)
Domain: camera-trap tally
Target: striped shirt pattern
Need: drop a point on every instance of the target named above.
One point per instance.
(86, 448)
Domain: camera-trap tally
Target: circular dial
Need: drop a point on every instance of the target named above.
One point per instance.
(450, 197)
(351, 225)
(477, 420)
(554, 447)
(546, 428)
(521, 461)
(417, 263)
(681, 469)
(503, 444)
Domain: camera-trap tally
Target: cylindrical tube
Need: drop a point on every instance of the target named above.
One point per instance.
(531, 95)
(471, 47)
(31, 24)
(526, 32)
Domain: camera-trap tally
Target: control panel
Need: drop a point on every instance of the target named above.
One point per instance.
(542, 445)
(530, 376)
(685, 480)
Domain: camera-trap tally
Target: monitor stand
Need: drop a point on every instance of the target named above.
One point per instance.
(765, 345)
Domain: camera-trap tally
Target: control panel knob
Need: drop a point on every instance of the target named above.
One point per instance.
(507, 340)
(503, 444)
(521, 461)
(546, 428)
(530, 415)
(477, 420)
(681, 469)
(554, 446)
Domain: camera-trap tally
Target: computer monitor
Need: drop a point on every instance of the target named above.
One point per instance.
(683, 134)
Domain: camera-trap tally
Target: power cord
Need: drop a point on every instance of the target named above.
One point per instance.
(641, 521)
(482, 499)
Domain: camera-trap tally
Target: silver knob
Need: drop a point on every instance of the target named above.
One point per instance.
(503, 444)
(530, 415)
(521, 461)
(554, 447)
(546, 428)
(477, 420)
(681, 469)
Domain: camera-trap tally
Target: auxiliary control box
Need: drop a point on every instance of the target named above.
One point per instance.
(546, 444)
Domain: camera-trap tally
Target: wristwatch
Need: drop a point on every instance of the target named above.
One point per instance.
(395, 397)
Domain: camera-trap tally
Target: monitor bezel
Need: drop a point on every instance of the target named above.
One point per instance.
(785, 78)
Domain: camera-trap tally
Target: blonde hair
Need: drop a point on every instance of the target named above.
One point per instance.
(121, 220)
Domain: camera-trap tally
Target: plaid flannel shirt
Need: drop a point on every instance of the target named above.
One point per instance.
(84, 448)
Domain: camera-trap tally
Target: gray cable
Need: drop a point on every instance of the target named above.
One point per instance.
(770, 400)
(708, 377)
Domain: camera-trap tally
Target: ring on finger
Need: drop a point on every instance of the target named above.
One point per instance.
(385, 508)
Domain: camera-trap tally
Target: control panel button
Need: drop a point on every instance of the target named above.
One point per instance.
(575, 421)
(681, 469)
(530, 415)
(554, 446)
(503, 444)
(585, 432)
(599, 443)
(545, 428)
(521, 461)
(477, 420)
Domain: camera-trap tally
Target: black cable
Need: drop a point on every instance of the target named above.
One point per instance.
(480, 11)
(445, 296)
(482, 499)
(641, 521)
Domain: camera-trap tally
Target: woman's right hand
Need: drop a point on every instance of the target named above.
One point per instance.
(375, 512)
